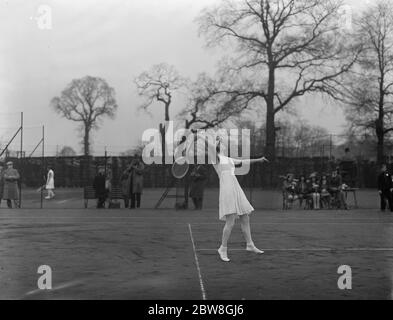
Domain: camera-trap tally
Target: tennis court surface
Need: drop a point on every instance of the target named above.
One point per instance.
(167, 254)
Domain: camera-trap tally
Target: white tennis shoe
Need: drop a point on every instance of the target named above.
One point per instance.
(254, 249)
(223, 252)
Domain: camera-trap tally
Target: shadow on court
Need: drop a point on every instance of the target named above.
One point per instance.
(147, 254)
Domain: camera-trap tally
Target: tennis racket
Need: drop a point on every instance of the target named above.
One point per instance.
(180, 168)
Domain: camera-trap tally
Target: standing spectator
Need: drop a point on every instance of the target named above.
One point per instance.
(50, 183)
(316, 195)
(137, 167)
(348, 167)
(303, 191)
(1, 182)
(10, 192)
(198, 179)
(108, 186)
(99, 185)
(336, 189)
(125, 182)
(288, 189)
(385, 188)
(325, 195)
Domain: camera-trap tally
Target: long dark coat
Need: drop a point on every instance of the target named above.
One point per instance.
(10, 191)
(198, 181)
(385, 181)
(99, 185)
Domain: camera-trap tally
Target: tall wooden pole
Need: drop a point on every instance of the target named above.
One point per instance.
(20, 160)
(43, 164)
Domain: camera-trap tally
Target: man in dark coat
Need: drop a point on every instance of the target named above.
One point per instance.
(136, 185)
(100, 188)
(198, 180)
(336, 189)
(385, 188)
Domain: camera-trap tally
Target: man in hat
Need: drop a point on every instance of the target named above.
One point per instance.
(336, 189)
(136, 187)
(10, 192)
(100, 188)
(198, 180)
(385, 188)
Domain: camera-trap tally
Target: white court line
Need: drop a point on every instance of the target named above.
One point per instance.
(59, 287)
(313, 249)
(197, 264)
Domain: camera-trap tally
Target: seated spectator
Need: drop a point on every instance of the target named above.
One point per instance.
(336, 190)
(315, 190)
(325, 195)
(289, 189)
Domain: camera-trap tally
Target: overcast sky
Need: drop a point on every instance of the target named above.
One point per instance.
(115, 40)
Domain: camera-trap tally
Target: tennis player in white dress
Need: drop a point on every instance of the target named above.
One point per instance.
(50, 184)
(233, 203)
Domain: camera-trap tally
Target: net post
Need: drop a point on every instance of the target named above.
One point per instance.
(21, 160)
(43, 164)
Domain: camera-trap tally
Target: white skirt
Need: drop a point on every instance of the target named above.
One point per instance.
(50, 185)
(232, 198)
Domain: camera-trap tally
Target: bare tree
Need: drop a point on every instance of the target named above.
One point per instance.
(158, 85)
(86, 101)
(287, 47)
(211, 104)
(368, 90)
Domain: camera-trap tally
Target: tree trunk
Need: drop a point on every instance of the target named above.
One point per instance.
(379, 124)
(167, 111)
(86, 149)
(380, 150)
(86, 141)
(379, 128)
(270, 118)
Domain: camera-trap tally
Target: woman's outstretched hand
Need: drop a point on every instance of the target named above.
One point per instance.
(263, 159)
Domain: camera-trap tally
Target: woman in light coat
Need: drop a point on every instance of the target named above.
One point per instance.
(10, 191)
(137, 168)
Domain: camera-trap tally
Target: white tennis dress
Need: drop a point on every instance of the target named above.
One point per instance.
(50, 183)
(232, 198)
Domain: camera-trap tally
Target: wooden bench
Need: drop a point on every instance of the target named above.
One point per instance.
(116, 194)
(89, 193)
